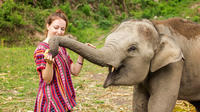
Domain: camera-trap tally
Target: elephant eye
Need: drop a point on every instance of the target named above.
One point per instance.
(132, 48)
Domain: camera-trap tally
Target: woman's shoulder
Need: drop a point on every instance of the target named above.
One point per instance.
(42, 46)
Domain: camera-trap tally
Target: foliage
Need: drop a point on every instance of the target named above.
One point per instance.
(104, 24)
(66, 8)
(18, 22)
(84, 33)
(46, 4)
(28, 16)
(40, 17)
(104, 10)
(164, 9)
(81, 24)
(43, 4)
(195, 18)
(9, 15)
(86, 9)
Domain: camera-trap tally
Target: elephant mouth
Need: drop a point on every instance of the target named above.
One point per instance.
(112, 75)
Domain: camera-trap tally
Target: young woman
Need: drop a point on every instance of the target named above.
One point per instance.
(56, 92)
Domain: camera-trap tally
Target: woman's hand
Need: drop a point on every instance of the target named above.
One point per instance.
(76, 67)
(91, 45)
(48, 57)
(47, 73)
(80, 59)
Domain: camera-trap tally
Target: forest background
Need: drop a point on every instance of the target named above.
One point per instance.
(22, 26)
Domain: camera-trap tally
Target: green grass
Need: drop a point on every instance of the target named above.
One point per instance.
(19, 84)
(19, 79)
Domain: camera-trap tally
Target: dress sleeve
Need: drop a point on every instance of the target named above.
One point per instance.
(39, 59)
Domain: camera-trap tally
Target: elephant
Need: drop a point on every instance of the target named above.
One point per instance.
(160, 58)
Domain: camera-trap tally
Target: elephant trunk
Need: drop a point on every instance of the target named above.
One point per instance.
(100, 56)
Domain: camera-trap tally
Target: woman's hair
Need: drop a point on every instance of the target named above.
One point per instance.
(59, 14)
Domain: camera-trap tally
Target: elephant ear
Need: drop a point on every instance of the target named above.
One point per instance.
(168, 53)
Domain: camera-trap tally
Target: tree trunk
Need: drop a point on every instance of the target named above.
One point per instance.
(1, 2)
(123, 2)
(35, 2)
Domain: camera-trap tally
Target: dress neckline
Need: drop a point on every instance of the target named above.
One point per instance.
(44, 43)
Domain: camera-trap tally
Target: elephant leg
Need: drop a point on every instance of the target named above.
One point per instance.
(140, 99)
(164, 88)
(196, 104)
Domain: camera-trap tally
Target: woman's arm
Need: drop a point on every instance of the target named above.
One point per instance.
(47, 73)
(76, 67)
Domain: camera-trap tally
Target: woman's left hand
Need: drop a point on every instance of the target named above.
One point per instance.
(80, 57)
(91, 45)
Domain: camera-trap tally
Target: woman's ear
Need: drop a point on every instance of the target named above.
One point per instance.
(47, 25)
(168, 52)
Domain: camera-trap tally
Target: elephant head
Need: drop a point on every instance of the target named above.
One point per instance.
(131, 51)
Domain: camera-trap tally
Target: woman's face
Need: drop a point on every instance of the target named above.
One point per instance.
(56, 28)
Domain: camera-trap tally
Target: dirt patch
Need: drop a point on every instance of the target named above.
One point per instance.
(99, 77)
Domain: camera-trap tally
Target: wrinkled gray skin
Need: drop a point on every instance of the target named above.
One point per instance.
(162, 64)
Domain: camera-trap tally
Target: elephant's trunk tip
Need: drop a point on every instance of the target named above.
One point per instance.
(53, 53)
(108, 81)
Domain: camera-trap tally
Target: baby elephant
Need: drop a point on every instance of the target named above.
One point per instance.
(160, 58)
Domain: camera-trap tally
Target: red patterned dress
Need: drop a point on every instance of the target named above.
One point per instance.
(59, 95)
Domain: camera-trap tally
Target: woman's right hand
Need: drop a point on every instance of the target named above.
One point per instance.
(48, 57)
(47, 73)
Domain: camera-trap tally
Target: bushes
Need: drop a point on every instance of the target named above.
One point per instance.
(18, 22)
(104, 10)
(86, 9)
(9, 15)
(11, 20)
(29, 16)
(39, 17)
(45, 4)
(66, 8)
(162, 9)
(104, 24)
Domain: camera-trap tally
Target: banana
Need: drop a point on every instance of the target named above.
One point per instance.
(46, 52)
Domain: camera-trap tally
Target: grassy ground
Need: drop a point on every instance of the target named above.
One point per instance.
(19, 85)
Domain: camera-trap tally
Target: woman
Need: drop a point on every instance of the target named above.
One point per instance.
(56, 92)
